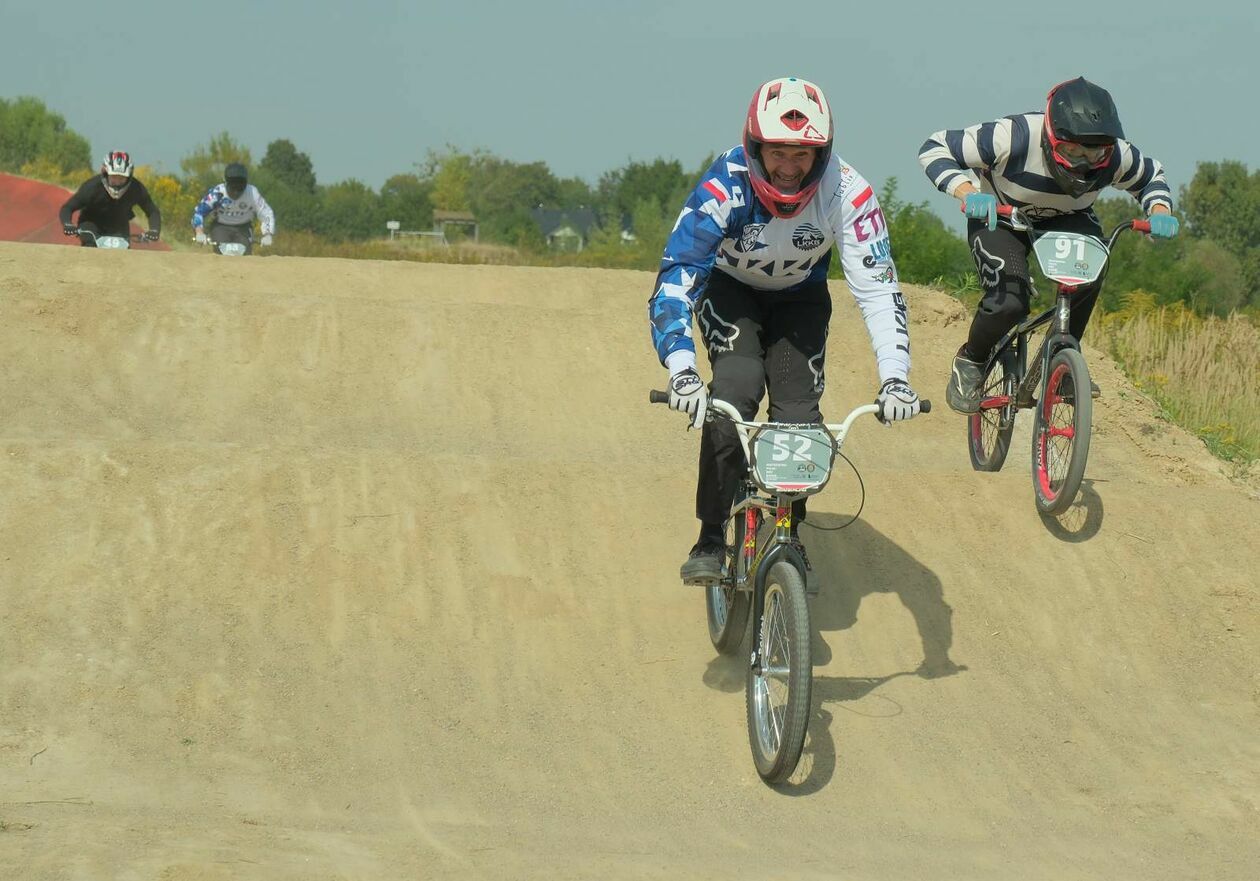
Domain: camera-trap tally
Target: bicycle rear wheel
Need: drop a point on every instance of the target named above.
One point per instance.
(1061, 432)
(989, 429)
(725, 607)
(778, 694)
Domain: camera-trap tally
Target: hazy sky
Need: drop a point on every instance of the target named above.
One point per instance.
(367, 88)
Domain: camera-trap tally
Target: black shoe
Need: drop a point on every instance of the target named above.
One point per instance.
(962, 393)
(704, 564)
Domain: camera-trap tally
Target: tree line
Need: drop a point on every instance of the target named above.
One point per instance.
(1213, 267)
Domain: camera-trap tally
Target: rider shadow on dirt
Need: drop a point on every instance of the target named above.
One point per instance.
(1080, 522)
(853, 563)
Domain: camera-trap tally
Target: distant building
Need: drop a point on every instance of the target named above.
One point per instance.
(565, 230)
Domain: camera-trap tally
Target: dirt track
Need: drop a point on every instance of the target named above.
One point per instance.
(347, 570)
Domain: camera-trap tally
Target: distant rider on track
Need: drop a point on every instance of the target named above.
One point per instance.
(107, 202)
(765, 216)
(226, 213)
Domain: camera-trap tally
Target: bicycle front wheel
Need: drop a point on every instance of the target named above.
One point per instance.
(1061, 432)
(725, 607)
(989, 429)
(778, 690)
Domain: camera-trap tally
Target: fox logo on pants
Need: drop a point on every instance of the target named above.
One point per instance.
(719, 334)
(988, 265)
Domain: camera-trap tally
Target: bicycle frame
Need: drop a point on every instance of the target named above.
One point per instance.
(1058, 336)
(753, 563)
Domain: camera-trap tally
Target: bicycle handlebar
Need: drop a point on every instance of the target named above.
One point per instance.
(655, 396)
(1020, 223)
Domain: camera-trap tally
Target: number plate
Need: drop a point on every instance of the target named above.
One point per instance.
(792, 459)
(1070, 258)
(232, 249)
(116, 243)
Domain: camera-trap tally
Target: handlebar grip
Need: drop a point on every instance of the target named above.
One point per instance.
(925, 406)
(1142, 226)
(658, 397)
(1005, 210)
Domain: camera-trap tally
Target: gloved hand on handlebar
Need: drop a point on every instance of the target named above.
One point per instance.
(265, 241)
(69, 229)
(200, 236)
(981, 206)
(1163, 226)
(687, 394)
(896, 401)
(151, 235)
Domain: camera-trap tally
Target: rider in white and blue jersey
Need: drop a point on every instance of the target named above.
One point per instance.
(748, 257)
(227, 211)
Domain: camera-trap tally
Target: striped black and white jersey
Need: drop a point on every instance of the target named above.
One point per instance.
(1009, 162)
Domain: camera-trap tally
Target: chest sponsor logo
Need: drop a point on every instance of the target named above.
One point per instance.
(807, 237)
(869, 225)
(750, 238)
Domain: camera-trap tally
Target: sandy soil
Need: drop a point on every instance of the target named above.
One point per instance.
(318, 569)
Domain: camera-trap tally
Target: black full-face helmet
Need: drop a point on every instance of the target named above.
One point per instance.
(1079, 135)
(235, 177)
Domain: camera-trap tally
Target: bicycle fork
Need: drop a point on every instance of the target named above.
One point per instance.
(775, 548)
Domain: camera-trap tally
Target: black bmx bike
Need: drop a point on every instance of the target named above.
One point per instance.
(1055, 385)
(764, 577)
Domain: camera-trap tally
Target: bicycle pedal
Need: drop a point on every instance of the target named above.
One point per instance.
(813, 584)
(701, 581)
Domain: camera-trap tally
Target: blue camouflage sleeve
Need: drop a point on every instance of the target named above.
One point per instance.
(209, 202)
(689, 256)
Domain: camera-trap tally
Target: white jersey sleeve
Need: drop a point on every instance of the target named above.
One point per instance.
(861, 235)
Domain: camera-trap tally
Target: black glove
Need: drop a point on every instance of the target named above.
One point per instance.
(151, 235)
(69, 229)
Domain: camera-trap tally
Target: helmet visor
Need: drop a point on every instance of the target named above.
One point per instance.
(1082, 156)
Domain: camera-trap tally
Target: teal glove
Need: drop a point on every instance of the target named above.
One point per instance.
(1163, 226)
(982, 206)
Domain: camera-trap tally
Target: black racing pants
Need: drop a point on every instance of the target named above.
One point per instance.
(227, 233)
(756, 340)
(1001, 257)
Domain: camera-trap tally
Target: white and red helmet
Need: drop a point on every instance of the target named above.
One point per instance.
(116, 162)
(793, 112)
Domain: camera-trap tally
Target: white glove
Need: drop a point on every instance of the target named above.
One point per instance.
(896, 400)
(688, 395)
(200, 236)
(265, 241)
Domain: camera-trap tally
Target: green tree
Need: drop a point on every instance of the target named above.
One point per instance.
(408, 199)
(286, 165)
(203, 167)
(1222, 203)
(620, 191)
(31, 133)
(350, 210)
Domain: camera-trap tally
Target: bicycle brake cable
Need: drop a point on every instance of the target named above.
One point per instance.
(861, 501)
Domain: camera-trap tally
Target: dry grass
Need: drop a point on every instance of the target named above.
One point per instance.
(1204, 371)
(304, 244)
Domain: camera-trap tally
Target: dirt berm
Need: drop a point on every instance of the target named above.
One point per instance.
(317, 569)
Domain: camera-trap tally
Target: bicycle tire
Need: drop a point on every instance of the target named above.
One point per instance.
(778, 735)
(1061, 432)
(989, 429)
(726, 608)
